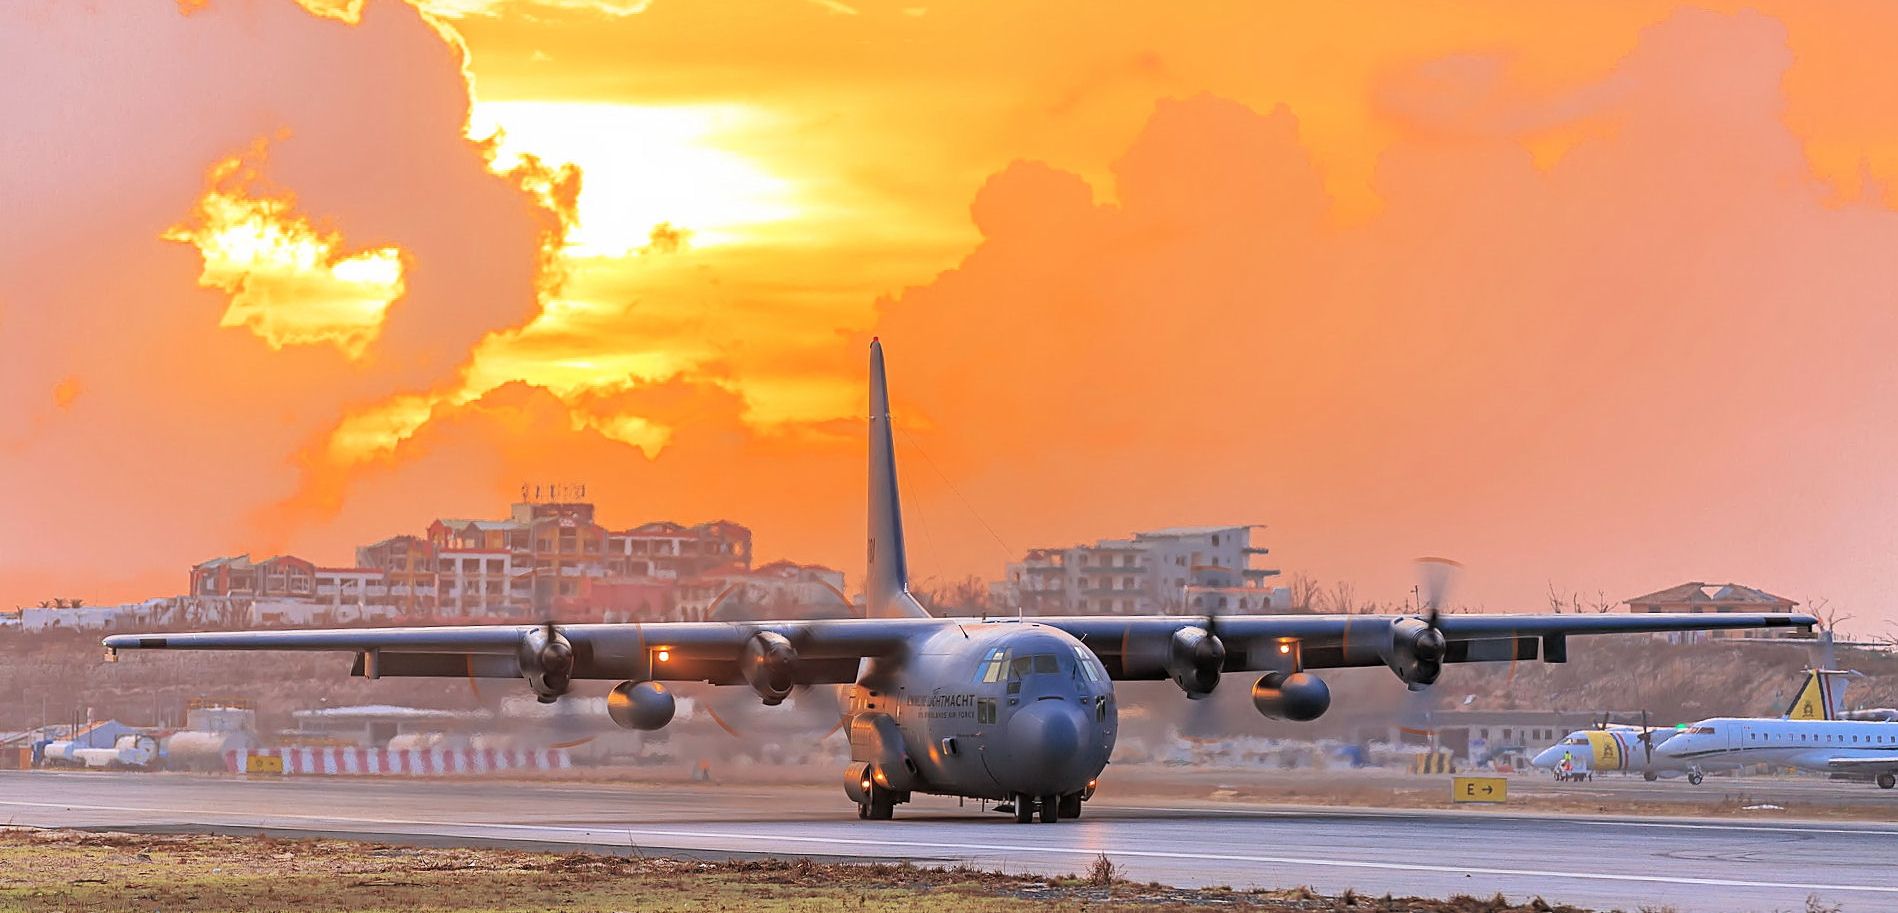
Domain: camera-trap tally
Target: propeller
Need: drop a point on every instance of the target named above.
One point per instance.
(1424, 643)
(1647, 742)
(1435, 578)
(809, 706)
(547, 661)
(1418, 646)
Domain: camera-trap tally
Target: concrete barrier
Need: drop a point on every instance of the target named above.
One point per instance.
(372, 762)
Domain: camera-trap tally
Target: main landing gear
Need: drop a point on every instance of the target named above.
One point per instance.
(1052, 809)
(1887, 780)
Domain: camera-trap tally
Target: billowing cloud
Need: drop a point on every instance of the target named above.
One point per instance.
(1592, 295)
(176, 415)
(1660, 356)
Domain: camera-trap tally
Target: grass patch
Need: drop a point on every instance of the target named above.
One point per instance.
(68, 870)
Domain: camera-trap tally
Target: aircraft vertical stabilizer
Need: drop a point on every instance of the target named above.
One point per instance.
(1820, 698)
(886, 580)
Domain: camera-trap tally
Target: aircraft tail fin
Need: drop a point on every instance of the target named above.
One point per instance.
(886, 579)
(1821, 698)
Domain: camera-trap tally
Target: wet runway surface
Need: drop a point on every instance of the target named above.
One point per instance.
(1690, 864)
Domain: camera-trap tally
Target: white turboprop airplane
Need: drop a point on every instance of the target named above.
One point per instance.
(1608, 748)
(1618, 747)
(1019, 710)
(1815, 734)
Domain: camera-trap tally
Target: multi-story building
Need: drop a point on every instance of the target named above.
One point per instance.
(409, 570)
(673, 551)
(547, 559)
(1183, 569)
(350, 594)
(560, 559)
(284, 576)
(481, 583)
(781, 589)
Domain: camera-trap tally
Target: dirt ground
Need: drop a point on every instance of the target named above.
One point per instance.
(68, 870)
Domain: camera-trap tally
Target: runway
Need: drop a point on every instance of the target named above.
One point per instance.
(1690, 864)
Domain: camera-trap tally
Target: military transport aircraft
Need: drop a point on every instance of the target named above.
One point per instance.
(1020, 710)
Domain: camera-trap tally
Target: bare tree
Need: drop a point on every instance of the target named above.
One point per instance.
(1829, 617)
(1556, 603)
(1342, 599)
(1601, 605)
(1307, 593)
(968, 596)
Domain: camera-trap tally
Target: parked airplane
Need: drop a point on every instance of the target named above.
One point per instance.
(1611, 747)
(1815, 734)
(1020, 710)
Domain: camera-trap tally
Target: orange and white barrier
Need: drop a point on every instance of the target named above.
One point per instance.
(350, 762)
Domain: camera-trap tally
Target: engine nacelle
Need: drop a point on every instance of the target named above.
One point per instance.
(644, 706)
(1416, 652)
(547, 662)
(770, 666)
(1194, 660)
(1300, 696)
(877, 742)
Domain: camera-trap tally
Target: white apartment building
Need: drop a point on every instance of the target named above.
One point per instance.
(1188, 569)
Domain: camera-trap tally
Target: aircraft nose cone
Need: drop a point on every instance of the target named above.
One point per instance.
(1547, 759)
(1050, 742)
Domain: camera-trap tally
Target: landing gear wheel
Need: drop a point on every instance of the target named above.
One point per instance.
(1887, 780)
(1024, 809)
(1650, 776)
(1695, 778)
(1050, 809)
(1071, 806)
(881, 807)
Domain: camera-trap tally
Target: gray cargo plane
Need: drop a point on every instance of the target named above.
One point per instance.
(1019, 710)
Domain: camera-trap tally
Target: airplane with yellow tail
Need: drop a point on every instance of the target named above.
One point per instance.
(1620, 747)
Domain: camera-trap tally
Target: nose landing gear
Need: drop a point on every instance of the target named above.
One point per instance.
(1694, 777)
(881, 805)
(1887, 780)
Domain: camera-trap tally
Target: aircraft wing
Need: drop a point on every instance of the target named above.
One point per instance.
(828, 651)
(1139, 647)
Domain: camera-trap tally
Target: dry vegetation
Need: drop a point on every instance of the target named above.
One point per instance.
(63, 870)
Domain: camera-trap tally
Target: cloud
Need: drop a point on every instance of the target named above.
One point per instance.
(1655, 357)
(185, 427)
(1573, 307)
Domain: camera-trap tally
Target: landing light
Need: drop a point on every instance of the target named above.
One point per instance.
(665, 656)
(1285, 648)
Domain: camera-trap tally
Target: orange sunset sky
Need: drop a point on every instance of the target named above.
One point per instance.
(1592, 295)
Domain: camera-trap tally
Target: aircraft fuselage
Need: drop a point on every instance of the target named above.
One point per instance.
(996, 710)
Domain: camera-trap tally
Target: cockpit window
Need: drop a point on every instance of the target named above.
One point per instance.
(1700, 730)
(1575, 740)
(1086, 666)
(1036, 664)
(992, 667)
